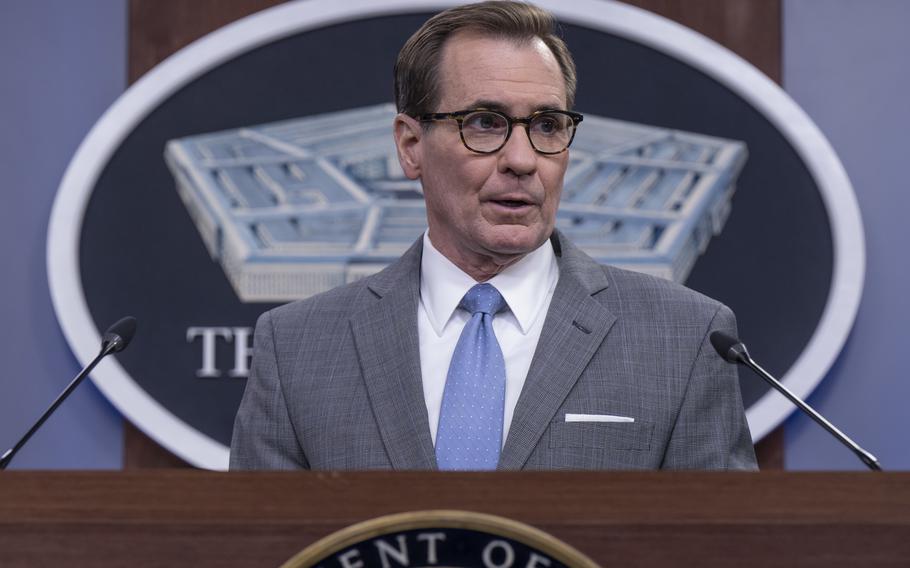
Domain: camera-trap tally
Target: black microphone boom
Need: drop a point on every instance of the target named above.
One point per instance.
(115, 339)
(734, 351)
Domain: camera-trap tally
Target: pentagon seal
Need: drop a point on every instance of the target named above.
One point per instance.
(442, 539)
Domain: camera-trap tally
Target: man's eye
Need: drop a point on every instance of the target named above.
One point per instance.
(485, 121)
(548, 125)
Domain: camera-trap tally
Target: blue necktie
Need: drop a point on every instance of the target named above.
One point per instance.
(469, 436)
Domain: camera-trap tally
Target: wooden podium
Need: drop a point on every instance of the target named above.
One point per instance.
(661, 519)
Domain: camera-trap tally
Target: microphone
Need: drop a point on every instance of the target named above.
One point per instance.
(115, 339)
(733, 350)
(119, 335)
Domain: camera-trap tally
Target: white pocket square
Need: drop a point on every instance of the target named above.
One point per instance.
(597, 418)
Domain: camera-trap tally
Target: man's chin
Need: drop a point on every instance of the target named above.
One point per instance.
(515, 240)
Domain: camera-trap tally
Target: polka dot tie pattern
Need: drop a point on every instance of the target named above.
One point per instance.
(469, 436)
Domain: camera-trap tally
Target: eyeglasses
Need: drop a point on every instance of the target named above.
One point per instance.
(486, 131)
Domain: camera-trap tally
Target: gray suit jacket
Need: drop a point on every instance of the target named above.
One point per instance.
(335, 381)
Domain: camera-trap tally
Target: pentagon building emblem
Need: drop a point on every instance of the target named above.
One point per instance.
(443, 539)
(294, 208)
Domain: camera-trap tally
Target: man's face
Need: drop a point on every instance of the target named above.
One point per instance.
(487, 210)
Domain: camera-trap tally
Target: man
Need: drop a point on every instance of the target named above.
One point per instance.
(493, 342)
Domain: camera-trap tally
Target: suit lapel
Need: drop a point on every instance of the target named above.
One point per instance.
(385, 334)
(575, 326)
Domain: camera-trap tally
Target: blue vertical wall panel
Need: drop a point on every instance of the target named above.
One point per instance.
(62, 64)
(845, 63)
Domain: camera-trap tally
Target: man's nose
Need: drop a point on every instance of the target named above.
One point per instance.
(518, 156)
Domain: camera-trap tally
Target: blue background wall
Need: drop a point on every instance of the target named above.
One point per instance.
(63, 63)
(845, 63)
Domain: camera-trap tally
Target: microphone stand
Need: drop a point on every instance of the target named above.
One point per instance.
(743, 357)
(111, 344)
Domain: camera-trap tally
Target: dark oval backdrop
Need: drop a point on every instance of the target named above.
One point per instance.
(141, 254)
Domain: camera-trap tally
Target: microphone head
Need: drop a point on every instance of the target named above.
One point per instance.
(731, 349)
(119, 335)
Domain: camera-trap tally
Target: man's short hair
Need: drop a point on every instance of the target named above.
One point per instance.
(417, 68)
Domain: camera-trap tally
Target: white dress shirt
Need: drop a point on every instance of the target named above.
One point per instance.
(527, 287)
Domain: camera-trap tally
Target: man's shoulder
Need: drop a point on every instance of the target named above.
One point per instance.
(646, 298)
(646, 287)
(627, 289)
(337, 302)
(620, 285)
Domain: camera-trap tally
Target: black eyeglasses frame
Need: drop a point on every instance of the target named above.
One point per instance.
(460, 115)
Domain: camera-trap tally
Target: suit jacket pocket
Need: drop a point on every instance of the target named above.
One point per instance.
(608, 435)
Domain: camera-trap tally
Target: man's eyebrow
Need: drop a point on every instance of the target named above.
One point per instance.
(489, 104)
(500, 107)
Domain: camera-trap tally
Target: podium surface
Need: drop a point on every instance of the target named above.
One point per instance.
(196, 518)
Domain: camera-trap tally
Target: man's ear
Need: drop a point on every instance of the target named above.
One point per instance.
(408, 133)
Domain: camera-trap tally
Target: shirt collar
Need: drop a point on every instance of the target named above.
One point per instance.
(525, 285)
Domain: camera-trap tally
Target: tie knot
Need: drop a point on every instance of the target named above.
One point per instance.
(483, 298)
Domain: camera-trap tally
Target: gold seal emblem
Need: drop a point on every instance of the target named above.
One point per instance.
(440, 539)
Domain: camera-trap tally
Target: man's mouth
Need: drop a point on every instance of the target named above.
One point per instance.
(514, 201)
(511, 203)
